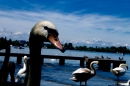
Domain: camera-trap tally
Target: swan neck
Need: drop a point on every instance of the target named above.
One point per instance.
(24, 66)
(35, 64)
(92, 68)
(121, 65)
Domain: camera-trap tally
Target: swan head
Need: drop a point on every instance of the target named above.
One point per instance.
(26, 59)
(95, 62)
(45, 31)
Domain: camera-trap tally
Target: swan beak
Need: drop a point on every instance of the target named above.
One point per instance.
(56, 42)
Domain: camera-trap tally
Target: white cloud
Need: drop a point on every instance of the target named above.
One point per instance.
(70, 26)
(18, 33)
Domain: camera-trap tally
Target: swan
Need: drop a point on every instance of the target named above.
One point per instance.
(96, 57)
(22, 73)
(125, 84)
(120, 58)
(108, 58)
(83, 74)
(11, 70)
(119, 71)
(42, 31)
(102, 57)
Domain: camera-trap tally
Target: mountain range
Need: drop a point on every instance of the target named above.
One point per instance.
(89, 43)
(94, 43)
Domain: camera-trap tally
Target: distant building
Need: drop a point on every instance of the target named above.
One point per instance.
(22, 43)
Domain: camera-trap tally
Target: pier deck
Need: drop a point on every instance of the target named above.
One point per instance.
(104, 64)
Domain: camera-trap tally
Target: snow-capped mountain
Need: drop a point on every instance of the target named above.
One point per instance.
(89, 43)
(94, 43)
(13, 35)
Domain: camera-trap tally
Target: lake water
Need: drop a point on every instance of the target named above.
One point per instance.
(55, 75)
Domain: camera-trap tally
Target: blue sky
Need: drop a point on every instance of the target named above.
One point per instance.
(104, 20)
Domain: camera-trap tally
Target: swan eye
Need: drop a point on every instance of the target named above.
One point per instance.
(46, 28)
(50, 31)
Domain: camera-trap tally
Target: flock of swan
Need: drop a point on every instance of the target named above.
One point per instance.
(84, 74)
(30, 74)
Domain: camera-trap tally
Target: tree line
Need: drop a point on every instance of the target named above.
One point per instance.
(112, 49)
(69, 46)
(3, 41)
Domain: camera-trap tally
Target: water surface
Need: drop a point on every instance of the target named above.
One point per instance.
(55, 75)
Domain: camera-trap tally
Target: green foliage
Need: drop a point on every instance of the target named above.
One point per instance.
(112, 49)
(4, 41)
(69, 46)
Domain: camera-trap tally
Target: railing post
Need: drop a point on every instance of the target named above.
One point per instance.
(106, 66)
(3, 70)
(42, 60)
(7, 56)
(19, 59)
(101, 65)
(61, 61)
(82, 62)
(88, 64)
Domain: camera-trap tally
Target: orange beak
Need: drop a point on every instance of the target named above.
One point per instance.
(56, 42)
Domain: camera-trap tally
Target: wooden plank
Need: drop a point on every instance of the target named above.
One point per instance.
(104, 64)
(44, 56)
(61, 61)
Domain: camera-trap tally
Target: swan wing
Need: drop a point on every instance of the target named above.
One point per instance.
(125, 84)
(20, 78)
(82, 70)
(119, 69)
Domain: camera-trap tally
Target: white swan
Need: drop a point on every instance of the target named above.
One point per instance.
(83, 74)
(42, 31)
(20, 77)
(125, 84)
(119, 71)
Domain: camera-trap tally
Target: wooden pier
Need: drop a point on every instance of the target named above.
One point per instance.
(104, 64)
(61, 58)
